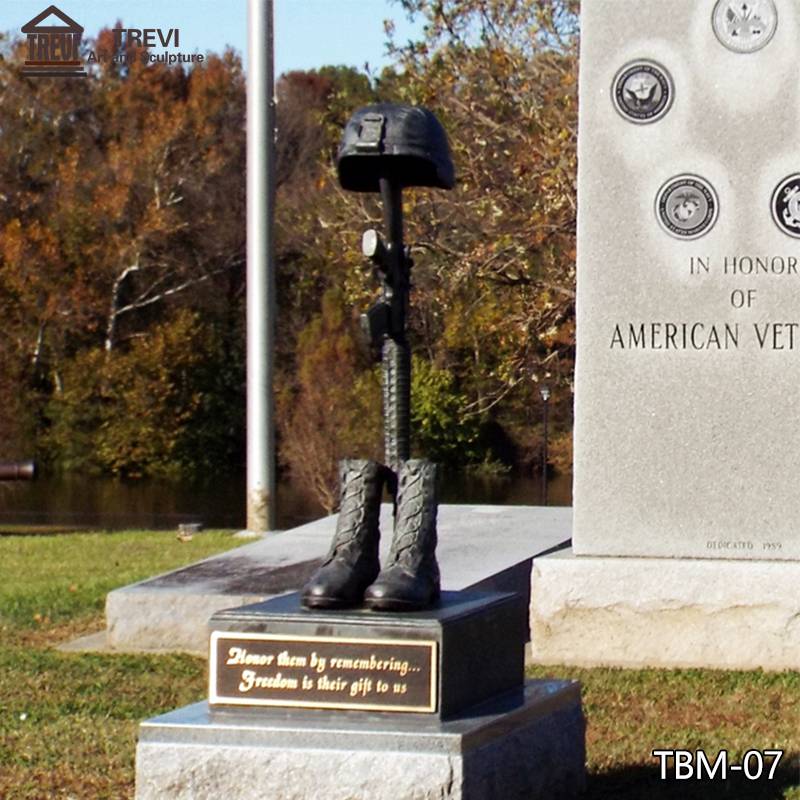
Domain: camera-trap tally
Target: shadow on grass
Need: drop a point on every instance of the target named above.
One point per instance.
(644, 783)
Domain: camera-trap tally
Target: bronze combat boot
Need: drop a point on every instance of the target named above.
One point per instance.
(352, 563)
(410, 579)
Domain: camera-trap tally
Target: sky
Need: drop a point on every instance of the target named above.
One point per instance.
(308, 33)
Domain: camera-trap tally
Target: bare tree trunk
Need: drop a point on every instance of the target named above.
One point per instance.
(113, 313)
(36, 356)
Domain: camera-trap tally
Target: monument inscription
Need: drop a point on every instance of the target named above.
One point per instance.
(688, 300)
(251, 669)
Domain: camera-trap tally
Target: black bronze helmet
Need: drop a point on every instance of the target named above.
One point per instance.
(404, 143)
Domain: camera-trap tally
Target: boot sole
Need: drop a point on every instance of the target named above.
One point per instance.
(328, 602)
(393, 604)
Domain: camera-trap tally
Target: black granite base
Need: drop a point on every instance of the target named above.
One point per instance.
(278, 654)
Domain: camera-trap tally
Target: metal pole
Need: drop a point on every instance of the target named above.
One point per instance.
(544, 455)
(260, 267)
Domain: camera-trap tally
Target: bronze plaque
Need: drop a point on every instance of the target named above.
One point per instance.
(259, 669)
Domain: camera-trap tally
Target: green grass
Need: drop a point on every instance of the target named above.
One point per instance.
(68, 722)
(47, 579)
(630, 713)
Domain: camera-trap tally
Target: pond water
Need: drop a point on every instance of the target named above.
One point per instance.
(112, 504)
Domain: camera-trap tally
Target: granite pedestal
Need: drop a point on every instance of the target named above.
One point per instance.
(353, 704)
(665, 612)
(458, 654)
(529, 747)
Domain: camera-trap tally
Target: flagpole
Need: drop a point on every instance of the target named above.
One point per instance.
(260, 267)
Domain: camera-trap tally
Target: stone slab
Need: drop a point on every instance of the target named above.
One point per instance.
(682, 447)
(467, 649)
(487, 548)
(528, 746)
(658, 612)
(90, 643)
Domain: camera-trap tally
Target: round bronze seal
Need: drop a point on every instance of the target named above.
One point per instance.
(687, 206)
(785, 205)
(745, 26)
(643, 91)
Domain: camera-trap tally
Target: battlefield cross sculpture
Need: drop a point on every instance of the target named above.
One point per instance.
(384, 149)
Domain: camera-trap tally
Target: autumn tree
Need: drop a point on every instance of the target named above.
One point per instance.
(123, 203)
(500, 250)
(333, 410)
(122, 245)
(493, 283)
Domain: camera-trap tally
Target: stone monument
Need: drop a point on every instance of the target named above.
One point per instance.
(370, 683)
(686, 539)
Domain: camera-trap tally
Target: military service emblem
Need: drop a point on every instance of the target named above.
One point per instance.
(786, 205)
(687, 206)
(642, 91)
(745, 26)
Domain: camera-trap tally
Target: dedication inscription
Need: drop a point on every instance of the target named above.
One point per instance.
(252, 669)
(687, 424)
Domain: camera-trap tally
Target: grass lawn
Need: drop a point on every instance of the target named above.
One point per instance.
(68, 721)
